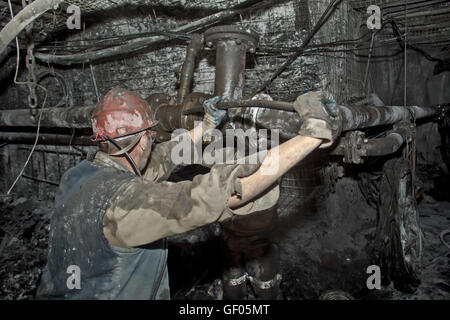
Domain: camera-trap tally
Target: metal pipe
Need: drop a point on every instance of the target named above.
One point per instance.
(368, 116)
(187, 72)
(286, 121)
(353, 117)
(168, 117)
(72, 117)
(232, 44)
(374, 147)
(45, 138)
(384, 146)
(230, 66)
(27, 15)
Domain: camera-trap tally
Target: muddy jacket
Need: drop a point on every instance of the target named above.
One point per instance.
(109, 224)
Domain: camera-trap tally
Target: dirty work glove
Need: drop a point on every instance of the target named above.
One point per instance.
(320, 117)
(213, 116)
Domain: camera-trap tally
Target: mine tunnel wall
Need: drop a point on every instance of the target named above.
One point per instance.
(155, 71)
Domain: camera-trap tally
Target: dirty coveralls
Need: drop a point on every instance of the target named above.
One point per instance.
(111, 224)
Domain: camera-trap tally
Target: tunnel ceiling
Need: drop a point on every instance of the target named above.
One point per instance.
(427, 21)
(280, 23)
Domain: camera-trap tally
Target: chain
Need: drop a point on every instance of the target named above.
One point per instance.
(31, 64)
(31, 78)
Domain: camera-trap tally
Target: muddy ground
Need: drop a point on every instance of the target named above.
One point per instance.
(327, 250)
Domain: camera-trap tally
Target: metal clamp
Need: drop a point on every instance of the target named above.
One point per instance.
(264, 285)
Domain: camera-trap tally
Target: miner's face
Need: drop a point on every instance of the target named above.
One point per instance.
(145, 149)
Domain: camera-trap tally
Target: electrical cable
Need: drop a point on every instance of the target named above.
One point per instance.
(406, 32)
(141, 44)
(53, 45)
(403, 44)
(356, 42)
(32, 149)
(322, 48)
(119, 40)
(66, 99)
(368, 61)
(323, 19)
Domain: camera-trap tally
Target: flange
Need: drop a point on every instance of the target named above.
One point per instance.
(241, 35)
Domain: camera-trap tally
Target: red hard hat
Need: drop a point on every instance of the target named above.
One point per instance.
(121, 113)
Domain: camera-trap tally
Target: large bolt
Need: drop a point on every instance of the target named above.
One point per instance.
(252, 50)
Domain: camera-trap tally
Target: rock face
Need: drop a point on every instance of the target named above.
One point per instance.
(24, 230)
(435, 280)
(328, 249)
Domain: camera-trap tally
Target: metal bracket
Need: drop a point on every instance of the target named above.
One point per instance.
(354, 148)
(407, 130)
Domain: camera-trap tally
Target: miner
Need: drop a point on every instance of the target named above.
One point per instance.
(114, 210)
